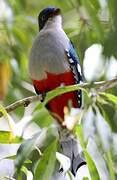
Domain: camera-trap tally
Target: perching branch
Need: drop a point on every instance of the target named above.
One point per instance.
(99, 86)
(23, 102)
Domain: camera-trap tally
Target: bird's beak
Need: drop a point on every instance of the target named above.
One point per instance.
(57, 11)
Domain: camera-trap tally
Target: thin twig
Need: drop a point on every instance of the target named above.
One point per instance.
(108, 85)
(23, 102)
(99, 86)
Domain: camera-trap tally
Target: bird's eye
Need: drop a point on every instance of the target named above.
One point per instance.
(43, 17)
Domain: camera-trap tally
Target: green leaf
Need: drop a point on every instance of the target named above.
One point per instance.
(51, 134)
(109, 113)
(109, 97)
(61, 90)
(87, 99)
(5, 138)
(85, 178)
(79, 133)
(5, 114)
(46, 164)
(24, 170)
(41, 140)
(42, 117)
(112, 5)
(110, 165)
(24, 151)
(92, 167)
(107, 105)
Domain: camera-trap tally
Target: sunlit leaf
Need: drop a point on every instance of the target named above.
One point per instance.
(79, 133)
(5, 138)
(27, 173)
(9, 121)
(91, 165)
(109, 97)
(60, 91)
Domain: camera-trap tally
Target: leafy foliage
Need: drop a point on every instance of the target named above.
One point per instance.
(32, 141)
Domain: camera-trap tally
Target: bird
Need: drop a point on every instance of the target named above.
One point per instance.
(53, 62)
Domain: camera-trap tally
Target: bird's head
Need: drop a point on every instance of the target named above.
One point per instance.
(49, 14)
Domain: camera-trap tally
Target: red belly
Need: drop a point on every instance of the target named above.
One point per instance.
(53, 81)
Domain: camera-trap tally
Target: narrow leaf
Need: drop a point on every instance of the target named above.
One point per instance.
(61, 90)
(5, 114)
(92, 167)
(46, 164)
(79, 133)
(110, 165)
(109, 97)
(24, 151)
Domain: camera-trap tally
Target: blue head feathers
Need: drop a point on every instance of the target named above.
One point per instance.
(45, 14)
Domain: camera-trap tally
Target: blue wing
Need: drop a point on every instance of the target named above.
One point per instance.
(73, 53)
(74, 62)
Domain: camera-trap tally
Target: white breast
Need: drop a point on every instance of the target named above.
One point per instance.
(48, 53)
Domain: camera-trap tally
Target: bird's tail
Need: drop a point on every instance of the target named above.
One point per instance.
(72, 149)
